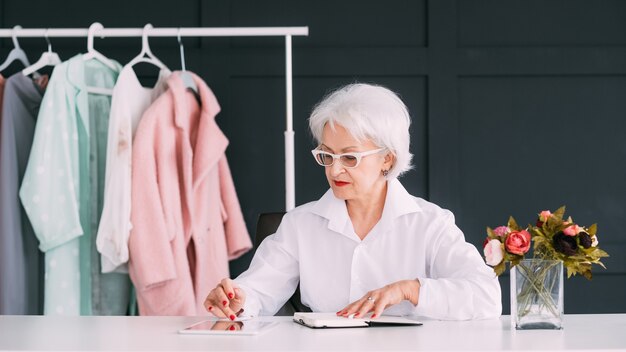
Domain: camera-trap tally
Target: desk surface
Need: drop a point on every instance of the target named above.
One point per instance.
(38, 333)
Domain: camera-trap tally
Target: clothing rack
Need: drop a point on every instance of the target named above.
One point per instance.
(287, 32)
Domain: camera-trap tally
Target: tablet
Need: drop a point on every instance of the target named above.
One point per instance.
(227, 327)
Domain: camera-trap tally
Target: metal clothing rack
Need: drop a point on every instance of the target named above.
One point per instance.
(287, 32)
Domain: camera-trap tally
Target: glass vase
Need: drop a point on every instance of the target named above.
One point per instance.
(537, 294)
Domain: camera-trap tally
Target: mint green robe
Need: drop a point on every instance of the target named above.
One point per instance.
(63, 187)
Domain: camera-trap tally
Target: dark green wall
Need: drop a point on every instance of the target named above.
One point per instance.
(517, 106)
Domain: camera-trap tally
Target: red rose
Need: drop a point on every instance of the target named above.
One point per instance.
(518, 242)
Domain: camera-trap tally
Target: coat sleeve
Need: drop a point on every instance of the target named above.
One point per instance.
(237, 238)
(460, 285)
(151, 258)
(49, 190)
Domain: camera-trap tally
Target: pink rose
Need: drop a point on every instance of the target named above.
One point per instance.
(518, 242)
(493, 252)
(544, 215)
(501, 230)
(572, 230)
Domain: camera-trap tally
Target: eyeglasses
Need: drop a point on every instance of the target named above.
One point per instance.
(348, 160)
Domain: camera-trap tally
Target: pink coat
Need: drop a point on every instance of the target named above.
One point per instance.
(186, 218)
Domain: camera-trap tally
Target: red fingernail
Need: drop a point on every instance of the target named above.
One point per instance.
(210, 307)
(230, 295)
(232, 317)
(373, 316)
(232, 327)
(224, 302)
(356, 314)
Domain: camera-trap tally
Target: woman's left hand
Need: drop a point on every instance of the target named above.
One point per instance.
(377, 300)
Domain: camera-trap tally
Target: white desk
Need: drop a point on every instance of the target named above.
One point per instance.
(37, 333)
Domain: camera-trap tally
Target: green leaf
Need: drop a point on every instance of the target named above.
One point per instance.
(535, 231)
(512, 224)
(593, 229)
(516, 259)
(577, 257)
(490, 233)
(597, 252)
(553, 224)
(500, 268)
(559, 213)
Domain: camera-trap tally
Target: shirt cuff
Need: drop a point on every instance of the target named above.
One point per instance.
(252, 305)
(425, 300)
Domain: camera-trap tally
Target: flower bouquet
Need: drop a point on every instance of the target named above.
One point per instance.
(537, 283)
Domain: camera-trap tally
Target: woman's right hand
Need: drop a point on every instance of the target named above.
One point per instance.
(225, 300)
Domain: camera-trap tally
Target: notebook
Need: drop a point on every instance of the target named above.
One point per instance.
(331, 320)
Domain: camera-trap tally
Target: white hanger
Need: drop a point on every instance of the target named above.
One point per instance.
(16, 53)
(93, 53)
(184, 75)
(48, 58)
(146, 54)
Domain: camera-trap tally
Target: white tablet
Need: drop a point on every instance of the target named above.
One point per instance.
(227, 327)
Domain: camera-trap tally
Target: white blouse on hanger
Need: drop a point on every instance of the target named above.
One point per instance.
(130, 100)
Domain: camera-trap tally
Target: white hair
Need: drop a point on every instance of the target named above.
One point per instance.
(368, 112)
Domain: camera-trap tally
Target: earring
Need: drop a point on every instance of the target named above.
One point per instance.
(385, 173)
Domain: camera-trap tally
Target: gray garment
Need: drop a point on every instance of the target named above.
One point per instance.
(21, 262)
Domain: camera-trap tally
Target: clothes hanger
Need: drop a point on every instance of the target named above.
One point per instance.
(96, 55)
(93, 53)
(184, 75)
(16, 53)
(48, 58)
(146, 54)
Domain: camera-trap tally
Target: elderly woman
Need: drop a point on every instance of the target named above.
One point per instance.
(367, 246)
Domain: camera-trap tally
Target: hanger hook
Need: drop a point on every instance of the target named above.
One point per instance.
(144, 38)
(182, 52)
(48, 40)
(90, 33)
(16, 44)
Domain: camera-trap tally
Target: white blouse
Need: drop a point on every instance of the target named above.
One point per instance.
(130, 100)
(316, 244)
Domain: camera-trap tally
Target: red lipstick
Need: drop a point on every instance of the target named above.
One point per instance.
(341, 183)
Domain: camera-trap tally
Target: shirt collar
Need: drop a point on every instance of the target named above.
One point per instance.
(75, 76)
(398, 202)
(211, 142)
(76, 70)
